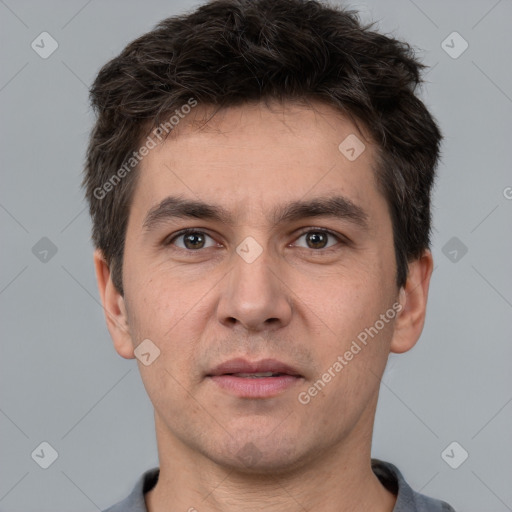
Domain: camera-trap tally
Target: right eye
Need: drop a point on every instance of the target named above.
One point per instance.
(191, 240)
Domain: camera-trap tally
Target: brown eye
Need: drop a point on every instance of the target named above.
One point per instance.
(194, 241)
(191, 240)
(319, 239)
(316, 239)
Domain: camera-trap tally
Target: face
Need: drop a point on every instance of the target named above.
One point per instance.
(286, 264)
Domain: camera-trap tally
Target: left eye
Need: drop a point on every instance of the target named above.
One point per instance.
(319, 239)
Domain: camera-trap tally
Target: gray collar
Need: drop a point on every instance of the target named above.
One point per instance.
(407, 499)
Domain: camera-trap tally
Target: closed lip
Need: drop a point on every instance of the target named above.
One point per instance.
(240, 365)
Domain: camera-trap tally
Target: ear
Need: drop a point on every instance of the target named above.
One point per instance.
(413, 298)
(114, 307)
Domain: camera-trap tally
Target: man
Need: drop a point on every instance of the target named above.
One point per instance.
(259, 181)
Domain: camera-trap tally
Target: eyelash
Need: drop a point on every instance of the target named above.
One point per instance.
(184, 232)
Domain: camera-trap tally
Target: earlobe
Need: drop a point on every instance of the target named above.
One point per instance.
(114, 307)
(413, 299)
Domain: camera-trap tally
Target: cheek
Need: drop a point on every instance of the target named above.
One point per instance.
(347, 310)
(158, 294)
(168, 309)
(162, 314)
(351, 360)
(346, 298)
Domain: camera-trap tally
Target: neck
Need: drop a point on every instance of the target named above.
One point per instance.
(337, 480)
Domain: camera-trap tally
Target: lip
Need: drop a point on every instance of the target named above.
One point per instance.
(240, 365)
(258, 387)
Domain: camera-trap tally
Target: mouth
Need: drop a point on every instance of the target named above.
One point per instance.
(260, 379)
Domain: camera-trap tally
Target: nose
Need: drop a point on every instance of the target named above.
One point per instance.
(254, 296)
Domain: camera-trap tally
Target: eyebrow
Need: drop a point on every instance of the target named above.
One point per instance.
(338, 207)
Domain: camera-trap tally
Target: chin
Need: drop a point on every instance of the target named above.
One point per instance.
(262, 455)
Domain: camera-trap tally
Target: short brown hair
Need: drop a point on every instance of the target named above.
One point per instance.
(231, 52)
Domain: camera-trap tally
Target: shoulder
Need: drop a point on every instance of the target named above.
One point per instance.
(408, 500)
(135, 501)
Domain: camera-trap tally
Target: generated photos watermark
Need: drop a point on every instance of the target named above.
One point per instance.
(342, 361)
(157, 136)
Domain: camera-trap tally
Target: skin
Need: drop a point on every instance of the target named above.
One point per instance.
(297, 303)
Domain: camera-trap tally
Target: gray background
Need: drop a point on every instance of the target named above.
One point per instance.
(60, 378)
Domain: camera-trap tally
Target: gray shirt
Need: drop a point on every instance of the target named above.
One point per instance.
(407, 499)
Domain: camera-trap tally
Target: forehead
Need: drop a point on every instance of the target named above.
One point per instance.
(253, 157)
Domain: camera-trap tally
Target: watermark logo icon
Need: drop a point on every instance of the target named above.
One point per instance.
(454, 45)
(44, 455)
(454, 249)
(249, 455)
(249, 250)
(147, 352)
(44, 250)
(44, 45)
(352, 147)
(454, 455)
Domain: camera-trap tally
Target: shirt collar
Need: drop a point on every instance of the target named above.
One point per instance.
(389, 475)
